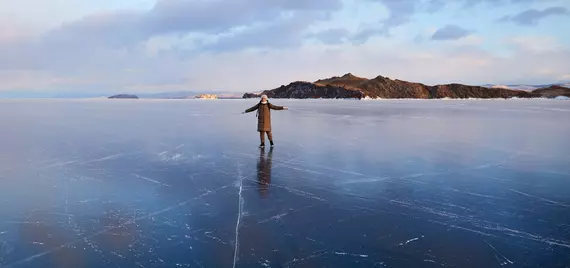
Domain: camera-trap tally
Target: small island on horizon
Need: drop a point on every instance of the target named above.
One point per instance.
(124, 96)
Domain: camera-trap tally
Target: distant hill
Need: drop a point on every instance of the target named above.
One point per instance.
(525, 87)
(514, 87)
(124, 96)
(351, 86)
(553, 91)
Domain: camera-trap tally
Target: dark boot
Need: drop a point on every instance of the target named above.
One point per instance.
(272, 144)
(262, 139)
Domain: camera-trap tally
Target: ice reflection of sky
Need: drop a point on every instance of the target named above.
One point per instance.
(350, 184)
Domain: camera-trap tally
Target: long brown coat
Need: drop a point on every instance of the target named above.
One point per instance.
(264, 115)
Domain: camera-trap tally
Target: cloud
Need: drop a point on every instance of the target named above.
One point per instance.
(534, 43)
(253, 70)
(434, 5)
(470, 3)
(332, 36)
(105, 42)
(450, 32)
(192, 44)
(155, 46)
(217, 16)
(399, 13)
(533, 16)
(121, 29)
(279, 34)
(407, 62)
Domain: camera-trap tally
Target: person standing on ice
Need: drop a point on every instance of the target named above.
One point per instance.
(264, 118)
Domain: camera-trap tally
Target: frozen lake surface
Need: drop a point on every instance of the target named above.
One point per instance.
(143, 183)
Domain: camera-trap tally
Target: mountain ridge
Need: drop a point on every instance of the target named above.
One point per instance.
(352, 86)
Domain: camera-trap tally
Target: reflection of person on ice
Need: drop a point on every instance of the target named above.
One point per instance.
(264, 171)
(264, 118)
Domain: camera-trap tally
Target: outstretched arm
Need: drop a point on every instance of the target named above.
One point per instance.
(275, 107)
(255, 107)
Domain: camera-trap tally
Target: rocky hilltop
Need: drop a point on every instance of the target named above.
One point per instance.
(351, 86)
(306, 90)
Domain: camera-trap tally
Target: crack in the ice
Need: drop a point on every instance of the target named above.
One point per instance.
(313, 255)
(238, 221)
(540, 198)
(507, 261)
(296, 191)
(150, 180)
(279, 216)
(481, 224)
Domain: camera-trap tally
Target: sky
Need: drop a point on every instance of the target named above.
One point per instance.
(251, 45)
